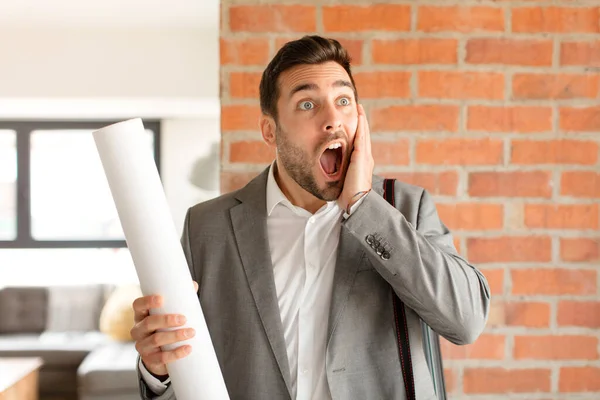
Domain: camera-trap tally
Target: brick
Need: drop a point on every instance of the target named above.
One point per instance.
(450, 380)
(535, 53)
(460, 152)
(378, 17)
(250, 51)
(239, 117)
(244, 84)
(460, 19)
(556, 20)
(509, 249)
(231, 181)
(471, 216)
(415, 51)
(510, 119)
(562, 216)
(579, 313)
(461, 85)
(585, 54)
(457, 245)
(532, 152)
(390, 84)
(272, 18)
(555, 86)
(353, 46)
(436, 183)
(486, 347)
(553, 282)
(579, 379)
(527, 314)
(566, 347)
(580, 249)
(250, 152)
(510, 184)
(390, 153)
(495, 279)
(415, 118)
(585, 184)
(579, 119)
(503, 381)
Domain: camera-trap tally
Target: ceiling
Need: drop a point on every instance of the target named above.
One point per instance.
(199, 14)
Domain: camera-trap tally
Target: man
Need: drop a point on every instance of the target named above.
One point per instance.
(297, 270)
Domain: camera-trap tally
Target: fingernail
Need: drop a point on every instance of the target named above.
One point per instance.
(181, 319)
(189, 332)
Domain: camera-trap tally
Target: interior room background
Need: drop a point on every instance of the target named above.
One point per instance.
(492, 106)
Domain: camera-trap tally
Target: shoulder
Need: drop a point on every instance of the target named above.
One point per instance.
(404, 192)
(214, 208)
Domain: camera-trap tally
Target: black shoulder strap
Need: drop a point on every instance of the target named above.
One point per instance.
(400, 317)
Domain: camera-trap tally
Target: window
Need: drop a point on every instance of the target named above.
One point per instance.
(58, 221)
(55, 173)
(8, 185)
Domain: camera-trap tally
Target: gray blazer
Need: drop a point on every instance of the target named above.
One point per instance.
(225, 242)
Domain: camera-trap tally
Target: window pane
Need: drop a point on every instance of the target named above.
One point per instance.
(8, 185)
(70, 196)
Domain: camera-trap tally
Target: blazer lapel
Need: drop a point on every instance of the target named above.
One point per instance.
(249, 221)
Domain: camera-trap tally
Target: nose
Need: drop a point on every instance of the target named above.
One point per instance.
(332, 120)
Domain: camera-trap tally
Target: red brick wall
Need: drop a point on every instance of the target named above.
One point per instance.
(494, 107)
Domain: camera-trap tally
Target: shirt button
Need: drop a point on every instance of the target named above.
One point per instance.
(304, 371)
(311, 220)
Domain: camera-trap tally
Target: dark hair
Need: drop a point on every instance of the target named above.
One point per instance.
(307, 50)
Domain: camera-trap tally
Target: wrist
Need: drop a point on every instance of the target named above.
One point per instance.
(356, 197)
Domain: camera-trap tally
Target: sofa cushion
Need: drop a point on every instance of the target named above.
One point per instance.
(55, 348)
(23, 310)
(75, 308)
(111, 368)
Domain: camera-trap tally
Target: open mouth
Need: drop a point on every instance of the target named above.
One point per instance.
(331, 159)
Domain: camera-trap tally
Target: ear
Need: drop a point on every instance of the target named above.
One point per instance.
(267, 128)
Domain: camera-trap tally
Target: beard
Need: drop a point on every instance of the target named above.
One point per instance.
(299, 165)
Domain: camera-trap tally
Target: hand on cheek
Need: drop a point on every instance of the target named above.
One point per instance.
(360, 170)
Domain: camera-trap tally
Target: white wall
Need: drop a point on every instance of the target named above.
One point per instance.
(163, 72)
(109, 62)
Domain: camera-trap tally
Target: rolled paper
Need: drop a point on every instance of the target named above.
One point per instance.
(157, 254)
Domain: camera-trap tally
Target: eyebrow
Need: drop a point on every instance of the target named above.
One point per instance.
(314, 86)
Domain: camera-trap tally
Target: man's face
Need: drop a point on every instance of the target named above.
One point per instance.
(316, 126)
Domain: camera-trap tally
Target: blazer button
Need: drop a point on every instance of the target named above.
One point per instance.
(385, 255)
(379, 250)
(370, 239)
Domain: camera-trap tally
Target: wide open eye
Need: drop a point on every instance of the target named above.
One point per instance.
(306, 105)
(344, 101)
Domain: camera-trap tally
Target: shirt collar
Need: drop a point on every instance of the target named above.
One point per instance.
(276, 196)
(274, 193)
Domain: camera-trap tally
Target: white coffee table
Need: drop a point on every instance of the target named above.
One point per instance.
(19, 378)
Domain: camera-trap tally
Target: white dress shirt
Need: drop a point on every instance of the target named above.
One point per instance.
(303, 253)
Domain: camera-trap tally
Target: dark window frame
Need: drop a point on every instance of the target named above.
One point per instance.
(23, 130)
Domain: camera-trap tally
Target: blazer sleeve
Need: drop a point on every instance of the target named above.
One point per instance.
(422, 265)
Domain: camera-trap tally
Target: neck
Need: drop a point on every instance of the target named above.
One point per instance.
(294, 192)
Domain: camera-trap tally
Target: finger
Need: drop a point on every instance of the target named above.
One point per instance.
(165, 357)
(366, 132)
(195, 286)
(142, 305)
(153, 342)
(359, 131)
(152, 323)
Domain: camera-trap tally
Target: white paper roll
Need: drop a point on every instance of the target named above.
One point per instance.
(157, 253)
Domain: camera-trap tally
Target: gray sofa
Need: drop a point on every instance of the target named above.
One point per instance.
(60, 325)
